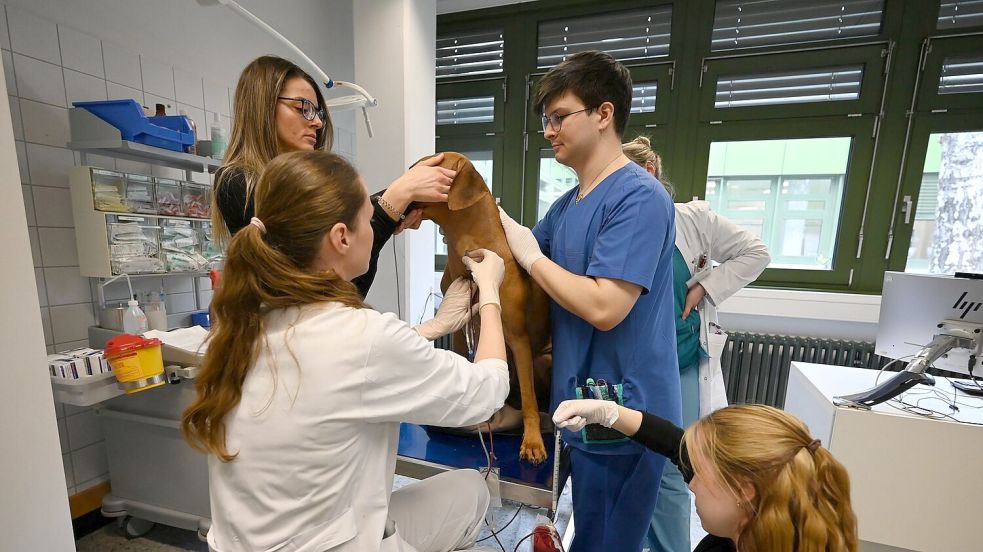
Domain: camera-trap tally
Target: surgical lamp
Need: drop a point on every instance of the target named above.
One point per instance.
(362, 99)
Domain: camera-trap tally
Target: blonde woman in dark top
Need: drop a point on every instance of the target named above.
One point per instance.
(762, 482)
(278, 109)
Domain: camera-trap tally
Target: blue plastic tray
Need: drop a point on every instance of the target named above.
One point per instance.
(169, 132)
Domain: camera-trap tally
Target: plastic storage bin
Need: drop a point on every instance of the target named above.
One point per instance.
(140, 194)
(108, 191)
(134, 245)
(179, 244)
(209, 249)
(169, 132)
(197, 200)
(169, 200)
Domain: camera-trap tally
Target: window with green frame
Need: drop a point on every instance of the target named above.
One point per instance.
(728, 85)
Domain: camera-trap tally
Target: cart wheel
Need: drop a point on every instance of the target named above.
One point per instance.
(133, 528)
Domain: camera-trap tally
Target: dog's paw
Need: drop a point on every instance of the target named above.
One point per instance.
(532, 449)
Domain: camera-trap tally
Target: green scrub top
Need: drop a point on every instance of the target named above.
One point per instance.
(687, 331)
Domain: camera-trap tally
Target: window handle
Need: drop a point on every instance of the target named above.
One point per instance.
(906, 208)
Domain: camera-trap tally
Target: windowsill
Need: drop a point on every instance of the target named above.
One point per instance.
(811, 305)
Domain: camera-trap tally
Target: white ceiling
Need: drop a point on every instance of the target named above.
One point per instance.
(452, 6)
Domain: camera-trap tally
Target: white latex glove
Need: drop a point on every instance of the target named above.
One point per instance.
(523, 244)
(488, 271)
(576, 414)
(454, 311)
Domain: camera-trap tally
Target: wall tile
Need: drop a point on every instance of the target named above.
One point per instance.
(178, 284)
(29, 204)
(80, 51)
(118, 291)
(180, 302)
(22, 162)
(66, 286)
(4, 37)
(46, 326)
(32, 36)
(15, 119)
(216, 98)
(44, 124)
(66, 460)
(53, 207)
(83, 429)
(49, 165)
(39, 80)
(8, 72)
(58, 247)
(158, 78)
(41, 286)
(63, 435)
(89, 463)
(32, 234)
(81, 87)
(188, 89)
(122, 65)
(204, 299)
(69, 345)
(71, 322)
(119, 92)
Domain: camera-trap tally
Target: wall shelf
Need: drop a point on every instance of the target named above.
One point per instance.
(92, 135)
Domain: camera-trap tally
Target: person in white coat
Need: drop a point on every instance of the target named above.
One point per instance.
(303, 386)
(714, 258)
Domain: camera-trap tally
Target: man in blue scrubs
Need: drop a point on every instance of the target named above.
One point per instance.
(603, 253)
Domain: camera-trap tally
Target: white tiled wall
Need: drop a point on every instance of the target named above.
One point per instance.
(47, 67)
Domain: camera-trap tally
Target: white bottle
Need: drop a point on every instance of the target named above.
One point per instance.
(134, 320)
(220, 140)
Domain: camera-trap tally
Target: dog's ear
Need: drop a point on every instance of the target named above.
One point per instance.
(467, 188)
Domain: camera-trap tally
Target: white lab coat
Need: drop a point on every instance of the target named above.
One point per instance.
(317, 444)
(704, 238)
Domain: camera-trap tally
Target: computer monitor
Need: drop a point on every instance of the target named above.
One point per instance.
(913, 306)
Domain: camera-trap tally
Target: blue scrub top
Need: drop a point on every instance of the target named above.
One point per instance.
(624, 230)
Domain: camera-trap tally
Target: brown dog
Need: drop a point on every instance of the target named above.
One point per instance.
(470, 220)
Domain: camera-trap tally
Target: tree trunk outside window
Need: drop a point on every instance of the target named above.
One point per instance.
(958, 243)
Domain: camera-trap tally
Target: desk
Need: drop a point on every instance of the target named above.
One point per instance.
(916, 483)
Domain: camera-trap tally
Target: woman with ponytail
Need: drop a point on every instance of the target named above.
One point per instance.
(762, 482)
(303, 386)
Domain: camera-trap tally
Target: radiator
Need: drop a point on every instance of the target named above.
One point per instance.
(756, 366)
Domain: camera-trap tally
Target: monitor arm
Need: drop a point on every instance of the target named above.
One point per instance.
(953, 334)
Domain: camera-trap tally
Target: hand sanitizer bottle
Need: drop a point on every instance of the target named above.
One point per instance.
(219, 138)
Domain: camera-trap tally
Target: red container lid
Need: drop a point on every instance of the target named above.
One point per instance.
(127, 343)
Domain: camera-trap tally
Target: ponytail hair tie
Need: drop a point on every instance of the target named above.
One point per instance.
(812, 446)
(258, 224)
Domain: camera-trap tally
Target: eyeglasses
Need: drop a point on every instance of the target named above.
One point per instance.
(556, 121)
(307, 108)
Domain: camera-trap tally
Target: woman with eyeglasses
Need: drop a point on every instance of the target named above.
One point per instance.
(278, 109)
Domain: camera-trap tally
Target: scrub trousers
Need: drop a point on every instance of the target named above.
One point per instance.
(437, 514)
(613, 499)
(669, 529)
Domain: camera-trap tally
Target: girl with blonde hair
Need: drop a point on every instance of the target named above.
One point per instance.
(279, 108)
(303, 386)
(762, 482)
